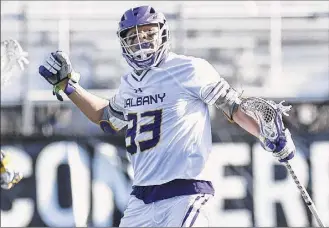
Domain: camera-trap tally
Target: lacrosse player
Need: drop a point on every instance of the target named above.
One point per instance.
(164, 104)
(12, 55)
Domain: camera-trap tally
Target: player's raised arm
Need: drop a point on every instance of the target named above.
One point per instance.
(58, 71)
(215, 90)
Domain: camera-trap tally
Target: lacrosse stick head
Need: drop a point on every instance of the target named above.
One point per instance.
(267, 114)
(12, 54)
(5, 64)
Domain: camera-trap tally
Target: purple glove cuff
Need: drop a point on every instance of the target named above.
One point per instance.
(69, 88)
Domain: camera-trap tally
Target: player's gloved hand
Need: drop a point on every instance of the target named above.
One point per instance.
(282, 148)
(9, 177)
(58, 71)
(278, 140)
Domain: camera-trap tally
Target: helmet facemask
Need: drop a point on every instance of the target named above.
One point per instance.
(143, 47)
(143, 50)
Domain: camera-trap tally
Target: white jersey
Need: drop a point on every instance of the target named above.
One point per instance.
(169, 130)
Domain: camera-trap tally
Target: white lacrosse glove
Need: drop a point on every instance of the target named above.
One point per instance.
(58, 71)
(282, 147)
(12, 55)
(274, 137)
(9, 177)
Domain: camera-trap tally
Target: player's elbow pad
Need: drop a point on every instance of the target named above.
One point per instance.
(224, 97)
(112, 120)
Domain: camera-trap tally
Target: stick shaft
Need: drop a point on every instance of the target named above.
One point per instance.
(304, 194)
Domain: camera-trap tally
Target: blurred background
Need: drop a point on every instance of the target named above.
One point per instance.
(78, 176)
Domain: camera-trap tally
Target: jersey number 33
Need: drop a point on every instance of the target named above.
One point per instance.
(153, 127)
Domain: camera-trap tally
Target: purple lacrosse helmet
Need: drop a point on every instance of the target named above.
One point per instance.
(143, 54)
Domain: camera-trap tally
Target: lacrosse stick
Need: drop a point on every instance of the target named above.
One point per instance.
(266, 113)
(12, 55)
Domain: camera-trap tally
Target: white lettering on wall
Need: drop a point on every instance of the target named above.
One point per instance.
(228, 187)
(267, 191)
(320, 179)
(47, 164)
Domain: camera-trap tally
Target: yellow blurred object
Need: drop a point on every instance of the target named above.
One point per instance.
(9, 177)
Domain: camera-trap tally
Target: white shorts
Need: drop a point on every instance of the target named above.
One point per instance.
(180, 211)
